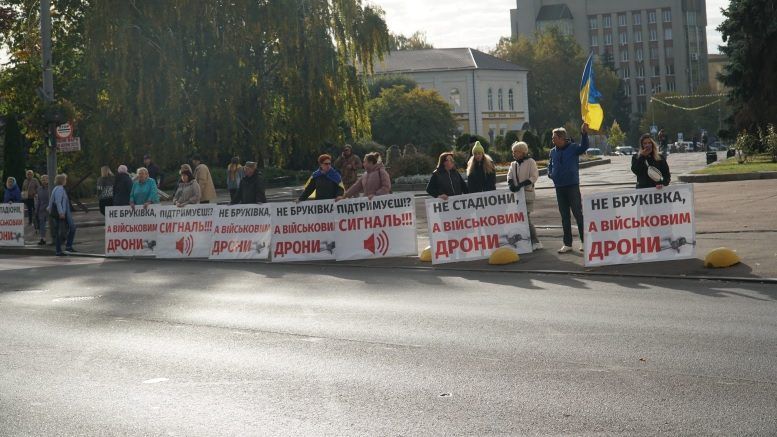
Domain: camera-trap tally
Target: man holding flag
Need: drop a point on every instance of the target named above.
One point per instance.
(590, 109)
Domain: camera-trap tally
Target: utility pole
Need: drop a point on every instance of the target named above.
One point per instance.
(48, 91)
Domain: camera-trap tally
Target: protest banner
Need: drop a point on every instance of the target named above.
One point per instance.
(304, 231)
(12, 224)
(242, 232)
(473, 226)
(131, 232)
(383, 227)
(637, 226)
(185, 232)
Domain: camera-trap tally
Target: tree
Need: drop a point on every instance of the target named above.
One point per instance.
(675, 115)
(616, 138)
(750, 38)
(416, 41)
(421, 117)
(376, 84)
(13, 154)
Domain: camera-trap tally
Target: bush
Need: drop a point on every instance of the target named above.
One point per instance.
(501, 156)
(462, 142)
(461, 158)
(438, 149)
(410, 165)
(510, 138)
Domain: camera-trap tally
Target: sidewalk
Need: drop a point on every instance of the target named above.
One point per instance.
(739, 215)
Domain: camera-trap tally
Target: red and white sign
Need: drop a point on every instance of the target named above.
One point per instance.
(185, 232)
(65, 140)
(12, 224)
(65, 131)
(304, 231)
(637, 226)
(131, 232)
(472, 226)
(242, 232)
(383, 227)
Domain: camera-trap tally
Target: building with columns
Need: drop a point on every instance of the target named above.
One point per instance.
(488, 96)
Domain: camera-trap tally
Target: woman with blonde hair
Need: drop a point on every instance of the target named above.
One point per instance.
(651, 169)
(105, 188)
(523, 174)
(481, 172)
(235, 174)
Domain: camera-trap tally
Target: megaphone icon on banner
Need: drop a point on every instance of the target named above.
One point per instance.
(185, 245)
(382, 243)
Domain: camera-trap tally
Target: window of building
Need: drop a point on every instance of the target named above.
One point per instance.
(625, 72)
(657, 88)
(638, 36)
(593, 23)
(669, 52)
(640, 70)
(641, 88)
(656, 70)
(670, 86)
(594, 40)
(669, 69)
(500, 100)
(627, 89)
(624, 38)
(667, 15)
(625, 55)
(607, 21)
(641, 106)
(490, 99)
(455, 97)
(621, 19)
(691, 18)
(511, 100)
(639, 54)
(653, 35)
(667, 33)
(637, 18)
(654, 53)
(608, 39)
(652, 17)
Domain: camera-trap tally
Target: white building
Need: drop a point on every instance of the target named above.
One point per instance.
(488, 96)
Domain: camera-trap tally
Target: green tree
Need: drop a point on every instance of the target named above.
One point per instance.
(421, 117)
(750, 37)
(416, 41)
(616, 138)
(376, 84)
(682, 116)
(13, 153)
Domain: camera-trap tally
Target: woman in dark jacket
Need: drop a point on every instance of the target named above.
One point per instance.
(481, 171)
(641, 163)
(122, 187)
(325, 182)
(446, 180)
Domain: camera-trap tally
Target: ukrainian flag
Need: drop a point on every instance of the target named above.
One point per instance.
(590, 108)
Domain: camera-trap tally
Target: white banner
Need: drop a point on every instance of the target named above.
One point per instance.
(473, 226)
(638, 226)
(185, 232)
(242, 232)
(383, 227)
(131, 232)
(304, 231)
(12, 224)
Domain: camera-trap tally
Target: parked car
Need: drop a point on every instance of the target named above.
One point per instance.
(625, 150)
(593, 151)
(717, 147)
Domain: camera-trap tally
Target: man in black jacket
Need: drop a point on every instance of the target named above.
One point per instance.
(251, 188)
(122, 187)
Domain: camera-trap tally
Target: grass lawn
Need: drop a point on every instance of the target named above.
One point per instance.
(754, 164)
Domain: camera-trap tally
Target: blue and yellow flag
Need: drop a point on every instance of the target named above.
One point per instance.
(590, 108)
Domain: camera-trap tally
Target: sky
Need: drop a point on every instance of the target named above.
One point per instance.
(480, 24)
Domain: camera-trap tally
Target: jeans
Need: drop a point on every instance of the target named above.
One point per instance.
(569, 198)
(532, 229)
(42, 221)
(71, 233)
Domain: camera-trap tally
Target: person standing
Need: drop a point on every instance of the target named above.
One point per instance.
(446, 181)
(664, 142)
(235, 173)
(374, 182)
(564, 171)
(144, 190)
(41, 206)
(30, 188)
(648, 157)
(61, 215)
(481, 171)
(12, 192)
(348, 165)
(251, 189)
(122, 187)
(153, 170)
(203, 178)
(188, 192)
(523, 174)
(105, 188)
(324, 183)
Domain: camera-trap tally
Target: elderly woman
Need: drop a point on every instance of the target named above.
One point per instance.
(481, 171)
(59, 209)
(105, 188)
(324, 183)
(446, 180)
(522, 175)
(188, 192)
(651, 169)
(122, 187)
(374, 182)
(41, 204)
(144, 190)
(30, 188)
(12, 192)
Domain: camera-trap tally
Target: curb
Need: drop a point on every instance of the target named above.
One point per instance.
(727, 177)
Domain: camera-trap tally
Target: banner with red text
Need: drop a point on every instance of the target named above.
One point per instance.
(131, 231)
(185, 232)
(383, 227)
(637, 226)
(12, 224)
(303, 231)
(242, 232)
(472, 226)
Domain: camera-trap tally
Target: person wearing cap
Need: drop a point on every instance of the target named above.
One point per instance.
(202, 175)
(324, 183)
(649, 157)
(234, 175)
(348, 165)
(481, 171)
(564, 171)
(122, 187)
(251, 189)
(153, 170)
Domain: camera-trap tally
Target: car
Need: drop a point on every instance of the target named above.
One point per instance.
(625, 150)
(593, 151)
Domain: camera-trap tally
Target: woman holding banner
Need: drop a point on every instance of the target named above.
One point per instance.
(446, 180)
(144, 190)
(481, 171)
(651, 169)
(374, 182)
(523, 174)
(188, 192)
(324, 183)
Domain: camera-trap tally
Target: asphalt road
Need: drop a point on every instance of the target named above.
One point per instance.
(96, 347)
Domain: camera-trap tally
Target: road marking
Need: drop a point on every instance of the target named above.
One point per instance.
(155, 381)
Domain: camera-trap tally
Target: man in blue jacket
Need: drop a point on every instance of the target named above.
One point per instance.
(564, 171)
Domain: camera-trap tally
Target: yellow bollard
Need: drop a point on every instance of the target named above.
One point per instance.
(503, 256)
(721, 257)
(426, 255)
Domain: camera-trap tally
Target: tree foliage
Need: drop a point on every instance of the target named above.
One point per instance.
(416, 41)
(690, 123)
(616, 138)
(377, 84)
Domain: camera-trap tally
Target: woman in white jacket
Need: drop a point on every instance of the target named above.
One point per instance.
(523, 174)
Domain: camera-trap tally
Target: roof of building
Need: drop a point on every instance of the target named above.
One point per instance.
(554, 13)
(410, 61)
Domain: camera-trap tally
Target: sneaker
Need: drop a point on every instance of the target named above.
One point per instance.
(70, 249)
(536, 246)
(565, 249)
(42, 242)
(60, 254)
